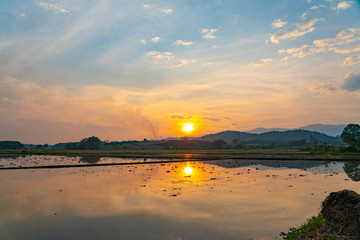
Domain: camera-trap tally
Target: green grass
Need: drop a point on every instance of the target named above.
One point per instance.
(310, 230)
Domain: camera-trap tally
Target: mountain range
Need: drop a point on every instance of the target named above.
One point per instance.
(331, 130)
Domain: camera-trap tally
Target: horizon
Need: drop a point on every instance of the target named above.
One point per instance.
(142, 69)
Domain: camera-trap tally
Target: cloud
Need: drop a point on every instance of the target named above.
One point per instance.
(351, 81)
(295, 30)
(344, 42)
(260, 63)
(155, 39)
(184, 62)
(160, 55)
(52, 7)
(278, 23)
(209, 33)
(343, 5)
(349, 61)
(22, 14)
(146, 6)
(208, 63)
(317, 6)
(143, 41)
(181, 42)
(168, 11)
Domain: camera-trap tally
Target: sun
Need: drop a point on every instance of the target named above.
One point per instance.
(188, 127)
(188, 171)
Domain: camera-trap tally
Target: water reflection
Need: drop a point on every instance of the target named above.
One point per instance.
(90, 159)
(165, 201)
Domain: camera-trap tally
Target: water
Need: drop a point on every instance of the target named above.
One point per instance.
(227, 199)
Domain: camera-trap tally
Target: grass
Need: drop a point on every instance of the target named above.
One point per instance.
(310, 230)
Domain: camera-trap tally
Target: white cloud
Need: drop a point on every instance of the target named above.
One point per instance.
(208, 63)
(317, 6)
(160, 55)
(344, 5)
(260, 63)
(278, 23)
(295, 30)
(342, 43)
(22, 14)
(155, 39)
(167, 11)
(184, 62)
(52, 7)
(146, 6)
(349, 61)
(143, 41)
(209, 33)
(181, 42)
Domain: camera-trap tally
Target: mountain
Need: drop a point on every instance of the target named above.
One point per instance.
(264, 130)
(331, 130)
(271, 137)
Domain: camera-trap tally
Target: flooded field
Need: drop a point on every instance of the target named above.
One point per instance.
(223, 199)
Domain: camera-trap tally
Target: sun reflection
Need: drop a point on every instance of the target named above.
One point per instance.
(188, 170)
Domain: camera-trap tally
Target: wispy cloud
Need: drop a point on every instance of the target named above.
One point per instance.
(181, 42)
(260, 63)
(160, 55)
(52, 6)
(278, 23)
(343, 5)
(168, 10)
(184, 62)
(208, 33)
(352, 60)
(143, 41)
(146, 6)
(155, 39)
(345, 41)
(295, 30)
(317, 6)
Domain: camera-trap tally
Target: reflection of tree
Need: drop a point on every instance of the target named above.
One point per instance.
(90, 159)
(352, 169)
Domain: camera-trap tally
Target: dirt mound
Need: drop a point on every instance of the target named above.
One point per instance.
(341, 211)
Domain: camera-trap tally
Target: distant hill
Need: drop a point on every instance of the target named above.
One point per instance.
(331, 130)
(271, 137)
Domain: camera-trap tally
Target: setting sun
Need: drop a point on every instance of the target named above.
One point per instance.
(188, 127)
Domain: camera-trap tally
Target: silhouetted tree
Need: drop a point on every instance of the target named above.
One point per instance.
(11, 145)
(219, 143)
(351, 135)
(91, 143)
(352, 169)
(313, 141)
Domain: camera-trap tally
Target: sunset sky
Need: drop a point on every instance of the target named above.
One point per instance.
(128, 70)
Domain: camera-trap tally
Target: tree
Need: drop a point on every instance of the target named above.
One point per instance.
(219, 143)
(313, 141)
(90, 143)
(351, 135)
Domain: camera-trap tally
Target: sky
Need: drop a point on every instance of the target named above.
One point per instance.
(129, 70)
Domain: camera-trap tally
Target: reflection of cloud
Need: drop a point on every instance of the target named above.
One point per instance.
(278, 23)
(260, 63)
(208, 33)
(295, 30)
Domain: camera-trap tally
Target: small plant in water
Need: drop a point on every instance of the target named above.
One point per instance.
(309, 230)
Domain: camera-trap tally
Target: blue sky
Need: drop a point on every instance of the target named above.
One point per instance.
(133, 69)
